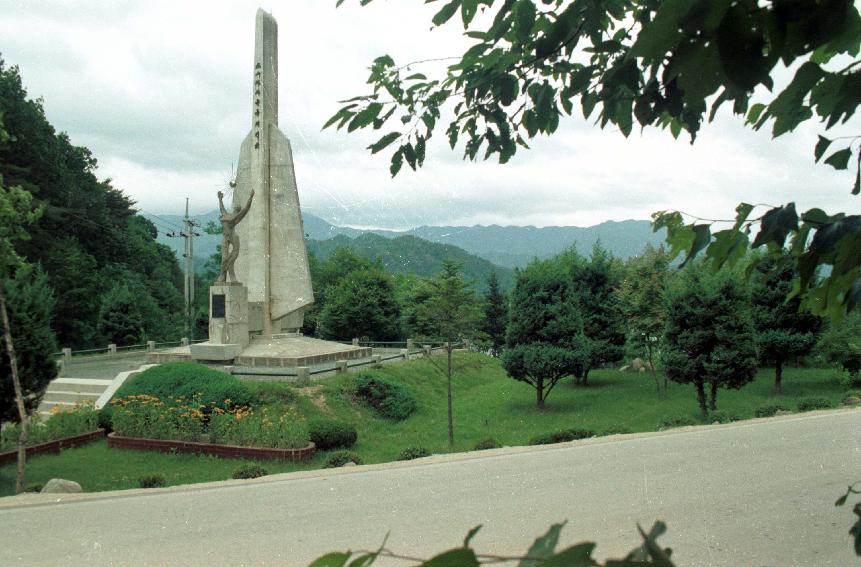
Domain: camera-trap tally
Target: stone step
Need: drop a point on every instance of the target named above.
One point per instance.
(71, 397)
(83, 385)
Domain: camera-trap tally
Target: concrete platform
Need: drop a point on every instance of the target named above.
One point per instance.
(278, 350)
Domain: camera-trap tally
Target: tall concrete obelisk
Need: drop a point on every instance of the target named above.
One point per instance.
(273, 262)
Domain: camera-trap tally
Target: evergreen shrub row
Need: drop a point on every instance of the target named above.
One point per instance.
(562, 436)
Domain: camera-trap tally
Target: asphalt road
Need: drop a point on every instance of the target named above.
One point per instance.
(751, 494)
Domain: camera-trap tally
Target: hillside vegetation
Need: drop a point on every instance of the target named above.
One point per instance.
(487, 405)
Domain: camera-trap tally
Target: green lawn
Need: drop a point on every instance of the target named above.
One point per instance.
(486, 404)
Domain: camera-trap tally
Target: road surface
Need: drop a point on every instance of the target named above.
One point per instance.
(755, 493)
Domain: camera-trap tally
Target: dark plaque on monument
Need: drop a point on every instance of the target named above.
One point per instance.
(218, 306)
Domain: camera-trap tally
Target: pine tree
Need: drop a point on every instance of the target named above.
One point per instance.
(495, 315)
(120, 319)
(783, 329)
(709, 335)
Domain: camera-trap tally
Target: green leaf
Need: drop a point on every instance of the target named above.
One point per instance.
(336, 559)
(365, 117)
(857, 187)
(383, 142)
(364, 560)
(397, 162)
(702, 237)
(470, 535)
(728, 246)
(410, 155)
(661, 35)
(776, 225)
(788, 109)
(446, 13)
(460, 557)
(341, 114)
(543, 547)
(524, 19)
(506, 87)
(754, 113)
(820, 148)
(839, 159)
(467, 11)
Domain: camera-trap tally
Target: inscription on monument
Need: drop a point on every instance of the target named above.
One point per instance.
(218, 306)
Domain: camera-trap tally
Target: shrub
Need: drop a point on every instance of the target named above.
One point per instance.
(390, 401)
(487, 444)
(152, 481)
(677, 421)
(250, 470)
(106, 418)
(328, 434)
(809, 404)
(270, 393)
(562, 436)
(178, 383)
(723, 417)
(849, 380)
(617, 430)
(341, 458)
(769, 410)
(37, 487)
(411, 453)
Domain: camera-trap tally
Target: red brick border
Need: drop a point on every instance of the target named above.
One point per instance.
(54, 446)
(228, 451)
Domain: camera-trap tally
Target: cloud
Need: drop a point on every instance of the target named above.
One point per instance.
(161, 92)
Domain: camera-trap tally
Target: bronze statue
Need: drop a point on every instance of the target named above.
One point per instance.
(230, 240)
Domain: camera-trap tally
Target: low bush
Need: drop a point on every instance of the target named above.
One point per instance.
(809, 404)
(677, 421)
(849, 380)
(617, 430)
(390, 401)
(178, 383)
(562, 436)
(106, 418)
(152, 481)
(769, 410)
(411, 453)
(37, 487)
(250, 470)
(723, 417)
(329, 434)
(341, 458)
(270, 393)
(487, 444)
(81, 418)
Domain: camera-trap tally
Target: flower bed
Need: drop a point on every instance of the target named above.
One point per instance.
(189, 426)
(80, 418)
(228, 451)
(54, 446)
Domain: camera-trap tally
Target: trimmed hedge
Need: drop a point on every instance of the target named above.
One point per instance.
(329, 434)
(390, 401)
(769, 410)
(152, 481)
(562, 436)
(809, 404)
(411, 453)
(489, 443)
(187, 381)
(250, 470)
(341, 458)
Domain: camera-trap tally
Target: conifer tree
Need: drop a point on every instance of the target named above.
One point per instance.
(495, 315)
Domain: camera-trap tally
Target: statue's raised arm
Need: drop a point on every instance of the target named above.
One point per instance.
(245, 209)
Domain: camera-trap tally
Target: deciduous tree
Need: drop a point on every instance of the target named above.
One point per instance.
(362, 304)
(544, 340)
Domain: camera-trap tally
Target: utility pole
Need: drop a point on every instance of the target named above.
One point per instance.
(187, 232)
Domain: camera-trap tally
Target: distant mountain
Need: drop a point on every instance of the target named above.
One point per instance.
(409, 254)
(507, 246)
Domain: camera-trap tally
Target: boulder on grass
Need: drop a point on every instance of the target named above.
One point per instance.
(61, 486)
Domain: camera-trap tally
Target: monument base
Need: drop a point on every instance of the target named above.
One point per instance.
(286, 350)
(228, 314)
(215, 352)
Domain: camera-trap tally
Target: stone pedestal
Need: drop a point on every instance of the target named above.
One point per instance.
(228, 323)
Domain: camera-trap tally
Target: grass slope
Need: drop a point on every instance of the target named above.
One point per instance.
(486, 404)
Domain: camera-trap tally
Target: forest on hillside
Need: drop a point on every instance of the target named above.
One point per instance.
(110, 280)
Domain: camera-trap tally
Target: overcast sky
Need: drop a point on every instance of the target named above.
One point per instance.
(161, 93)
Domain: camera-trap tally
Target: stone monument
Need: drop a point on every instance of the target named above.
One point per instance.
(257, 304)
